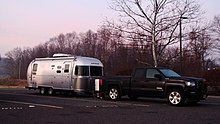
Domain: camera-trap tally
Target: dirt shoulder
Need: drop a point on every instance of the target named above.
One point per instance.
(12, 83)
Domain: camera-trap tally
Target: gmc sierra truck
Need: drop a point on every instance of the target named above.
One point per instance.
(153, 82)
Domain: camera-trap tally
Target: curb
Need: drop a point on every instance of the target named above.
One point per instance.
(216, 97)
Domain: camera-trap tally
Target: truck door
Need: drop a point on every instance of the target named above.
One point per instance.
(66, 75)
(153, 85)
(144, 83)
(138, 81)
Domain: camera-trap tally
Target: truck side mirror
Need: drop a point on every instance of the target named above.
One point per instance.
(158, 76)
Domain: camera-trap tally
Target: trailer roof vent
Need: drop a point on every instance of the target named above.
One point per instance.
(61, 55)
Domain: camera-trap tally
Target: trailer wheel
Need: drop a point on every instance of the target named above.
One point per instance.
(50, 91)
(42, 91)
(114, 93)
(175, 97)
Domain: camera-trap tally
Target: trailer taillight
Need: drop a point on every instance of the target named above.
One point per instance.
(100, 82)
(98, 91)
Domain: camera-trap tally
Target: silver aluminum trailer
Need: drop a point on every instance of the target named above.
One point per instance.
(64, 72)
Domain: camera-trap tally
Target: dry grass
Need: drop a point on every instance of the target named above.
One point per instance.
(12, 83)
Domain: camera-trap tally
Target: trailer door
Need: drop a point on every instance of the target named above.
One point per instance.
(32, 71)
(67, 75)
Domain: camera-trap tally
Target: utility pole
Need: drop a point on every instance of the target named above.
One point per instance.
(181, 52)
(19, 69)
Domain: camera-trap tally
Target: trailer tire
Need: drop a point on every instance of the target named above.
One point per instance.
(42, 90)
(114, 93)
(50, 91)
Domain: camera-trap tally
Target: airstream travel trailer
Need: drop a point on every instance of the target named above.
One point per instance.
(64, 72)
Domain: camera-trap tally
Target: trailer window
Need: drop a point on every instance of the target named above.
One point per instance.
(34, 67)
(66, 69)
(95, 71)
(82, 70)
(59, 67)
(58, 71)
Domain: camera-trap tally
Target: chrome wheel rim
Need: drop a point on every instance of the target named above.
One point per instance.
(175, 97)
(113, 93)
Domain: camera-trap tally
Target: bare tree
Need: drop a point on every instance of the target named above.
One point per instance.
(197, 50)
(157, 19)
(216, 32)
(89, 42)
(13, 62)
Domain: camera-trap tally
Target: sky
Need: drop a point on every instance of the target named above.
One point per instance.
(27, 23)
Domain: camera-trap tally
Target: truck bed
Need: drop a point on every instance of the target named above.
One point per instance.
(122, 81)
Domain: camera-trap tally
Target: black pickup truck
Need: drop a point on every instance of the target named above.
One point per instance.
(154, 82)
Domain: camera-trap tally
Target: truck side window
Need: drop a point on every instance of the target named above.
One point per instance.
(82, 70)
(151, 73)
(66, 68)
(140, 73)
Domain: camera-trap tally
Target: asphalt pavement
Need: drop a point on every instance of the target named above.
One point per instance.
(22, 106)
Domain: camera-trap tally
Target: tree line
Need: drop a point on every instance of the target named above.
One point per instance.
(143, 37)
(117, 55)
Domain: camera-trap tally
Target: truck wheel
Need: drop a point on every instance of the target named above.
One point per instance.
(50, 91)
(42, 90)
(114, 93)
(175, 97)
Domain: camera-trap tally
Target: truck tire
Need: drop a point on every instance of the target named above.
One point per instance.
(175, 97)
(114, 93)
(42, 91)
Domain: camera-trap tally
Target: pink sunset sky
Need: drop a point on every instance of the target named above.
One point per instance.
(27, 23)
